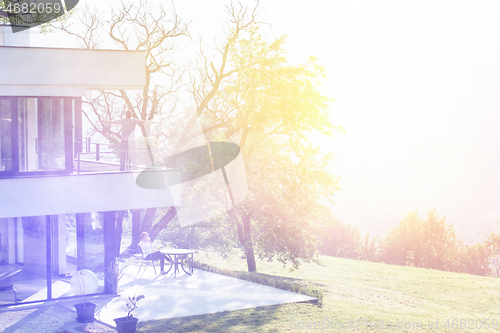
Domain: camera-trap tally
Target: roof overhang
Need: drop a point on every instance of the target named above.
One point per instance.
(31, 71)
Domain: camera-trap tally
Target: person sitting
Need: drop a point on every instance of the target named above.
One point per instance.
(149, 254)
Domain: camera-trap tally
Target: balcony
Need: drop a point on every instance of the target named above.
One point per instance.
(84, 192)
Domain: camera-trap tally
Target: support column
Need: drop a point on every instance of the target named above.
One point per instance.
(48, 243)
(78, 126)
(136, 227)
(109, 242)
(54, 225)
(80, 241)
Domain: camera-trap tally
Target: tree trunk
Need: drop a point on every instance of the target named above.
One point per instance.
(147, 222)
(252, 267)
(245, 237)
(110, 254)
(162, 223)
(136, 228)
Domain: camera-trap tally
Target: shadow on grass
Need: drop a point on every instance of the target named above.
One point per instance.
(249, 320)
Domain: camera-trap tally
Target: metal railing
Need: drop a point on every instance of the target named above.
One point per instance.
(79, 159)
(87, 148)
(87, 144)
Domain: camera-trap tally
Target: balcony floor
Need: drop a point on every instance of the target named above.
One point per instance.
(95, 166)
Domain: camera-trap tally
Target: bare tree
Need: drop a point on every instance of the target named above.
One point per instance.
(135, 25)
(220, 89)
(214, 70)
(141, 26)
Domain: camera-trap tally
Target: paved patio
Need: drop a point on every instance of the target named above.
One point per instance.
(166, 297)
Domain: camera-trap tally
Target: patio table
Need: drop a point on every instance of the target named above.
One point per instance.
(178, 257)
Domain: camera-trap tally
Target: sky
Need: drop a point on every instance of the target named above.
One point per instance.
(415, 86)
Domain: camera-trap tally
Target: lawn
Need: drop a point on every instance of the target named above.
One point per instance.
(391, 298)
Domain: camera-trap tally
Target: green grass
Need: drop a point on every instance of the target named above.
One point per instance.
(352, 290)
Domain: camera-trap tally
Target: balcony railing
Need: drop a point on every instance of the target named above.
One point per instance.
(106, 157)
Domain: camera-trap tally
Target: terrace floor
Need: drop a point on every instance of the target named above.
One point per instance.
(165, 297)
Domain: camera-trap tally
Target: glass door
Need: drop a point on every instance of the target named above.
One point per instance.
(23, 263)
(44, 134)
(36, 135)
(41, 134)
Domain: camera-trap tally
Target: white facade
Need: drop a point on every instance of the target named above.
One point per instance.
(31, 71)
(38, 72)
(82, 193)
(8, 38)
(54, 221)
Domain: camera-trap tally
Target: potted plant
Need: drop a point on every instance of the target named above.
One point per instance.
(83, 282)
(128, 324)
(113, 274)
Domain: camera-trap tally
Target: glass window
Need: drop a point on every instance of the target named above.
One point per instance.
(51, 153)
(5, 134)
(23, 263)
(35, 135)
(28, 134)
(41, 134)
(75, 243)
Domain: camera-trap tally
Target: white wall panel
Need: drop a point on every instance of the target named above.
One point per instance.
(79, 194)
(32, 71)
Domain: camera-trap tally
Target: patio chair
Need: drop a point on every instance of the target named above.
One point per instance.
(144, 262)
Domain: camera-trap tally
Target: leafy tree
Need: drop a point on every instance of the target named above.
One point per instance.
(403, 244)
(481, 258)
(493, 244)
(440, 246)
(476, 259)
(369, 248)
(283, 209)
(12, 13)
(246, 91)
(432, 243)
(269, 107)
(341, 240)
(427, 243)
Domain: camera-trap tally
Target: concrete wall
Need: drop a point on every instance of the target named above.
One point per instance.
(81, 193)
(68, 72)
(8, 38)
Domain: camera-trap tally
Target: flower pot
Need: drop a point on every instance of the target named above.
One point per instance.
(126, 324)
(85, 312)
(113, 289)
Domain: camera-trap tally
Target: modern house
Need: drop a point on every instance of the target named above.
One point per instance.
(53, 220)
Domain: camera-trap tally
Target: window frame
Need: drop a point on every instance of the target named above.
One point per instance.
(68, 139)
